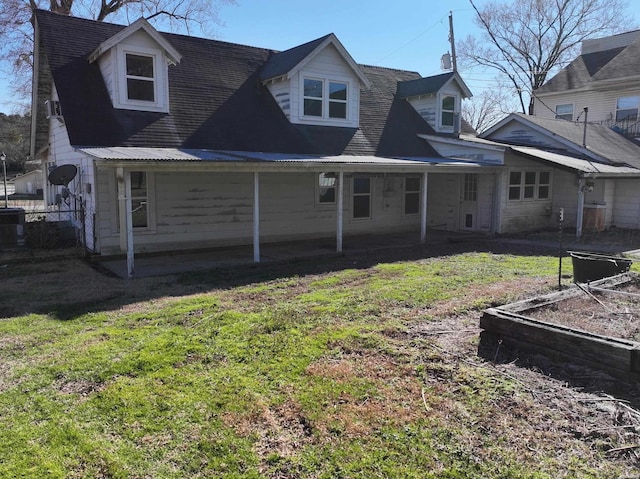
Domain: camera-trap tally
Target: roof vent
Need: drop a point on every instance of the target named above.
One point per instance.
(52, 109)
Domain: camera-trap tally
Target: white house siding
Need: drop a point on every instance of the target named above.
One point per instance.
(626, 211)
(517, 134)
(280, 90)
(443, 198)
(427, 108)
(601, 104)
(196, 210)
(107, 69)
(527, 215)
(61, 152)
(329, 65)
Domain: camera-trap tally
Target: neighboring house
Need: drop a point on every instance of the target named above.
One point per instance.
(29, 183)
(605, 79)
(183, 143)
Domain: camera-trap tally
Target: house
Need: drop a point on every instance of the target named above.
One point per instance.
(602, 85)
(183, 143)
(29, 183)
(177, 143)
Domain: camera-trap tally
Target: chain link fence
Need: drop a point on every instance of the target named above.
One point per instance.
(50, 227)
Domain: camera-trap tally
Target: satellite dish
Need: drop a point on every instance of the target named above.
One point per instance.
(62, 175)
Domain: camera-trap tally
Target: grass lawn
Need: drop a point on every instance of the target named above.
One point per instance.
(364, 370)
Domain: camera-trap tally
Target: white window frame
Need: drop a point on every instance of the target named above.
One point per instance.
(637, 108)
(320, 188)
(535, 186)
(160, 80)
(407, 191)
(151, 205)
(326, 100)
(355, 195)
(559, 115)
(441, 111)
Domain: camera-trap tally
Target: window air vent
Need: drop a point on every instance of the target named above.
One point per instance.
(52, 109)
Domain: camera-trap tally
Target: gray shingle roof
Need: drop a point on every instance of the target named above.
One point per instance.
(280, 63)
(217, 101)
(616, 63)
(423, 86)
(600, 140)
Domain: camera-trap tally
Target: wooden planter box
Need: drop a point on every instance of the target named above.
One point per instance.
(509, 323)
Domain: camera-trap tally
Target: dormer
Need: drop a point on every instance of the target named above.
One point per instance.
(438, 99)
(134, 65)
(317, 83)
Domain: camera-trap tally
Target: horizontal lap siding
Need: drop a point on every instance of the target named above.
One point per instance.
(195, 210)
(626, 213)
(529, 215)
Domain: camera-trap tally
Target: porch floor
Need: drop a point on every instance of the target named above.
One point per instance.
(626, 242)
(146, 265)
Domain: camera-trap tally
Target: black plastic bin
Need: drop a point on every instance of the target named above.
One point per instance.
(593, 266)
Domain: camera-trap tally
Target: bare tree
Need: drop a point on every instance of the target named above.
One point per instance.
(528, 40)
(486, 108)
(16, 57)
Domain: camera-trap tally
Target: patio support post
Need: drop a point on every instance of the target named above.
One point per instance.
(339, 212)
(125, 216)
(423, 208)
(581, 185)
(256, 217)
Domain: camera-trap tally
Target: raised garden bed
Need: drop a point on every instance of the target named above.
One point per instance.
(596, 324)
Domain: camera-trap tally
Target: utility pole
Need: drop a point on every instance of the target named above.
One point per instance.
(453, 43)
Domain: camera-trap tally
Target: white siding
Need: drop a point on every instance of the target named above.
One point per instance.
(529, 215)
(60, 153)
(195, 210)
(442, 202)
(626, 211)
(601, 104)
(427, 108)
(281, 92)
(329, 65)
(519, 134)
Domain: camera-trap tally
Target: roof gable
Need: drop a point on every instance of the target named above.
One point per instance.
(594, 65)
(599, 143)
(141, 24)
(291, 61)
(431, 85)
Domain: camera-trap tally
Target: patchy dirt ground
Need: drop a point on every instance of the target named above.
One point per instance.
(563, 402)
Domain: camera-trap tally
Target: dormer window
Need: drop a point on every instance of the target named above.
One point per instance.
(325, 99)
(447, 111)
(140, 77)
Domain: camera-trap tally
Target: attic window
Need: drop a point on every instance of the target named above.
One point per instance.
(325, 99)
(140, 77)
(141, 80)
(447, 111)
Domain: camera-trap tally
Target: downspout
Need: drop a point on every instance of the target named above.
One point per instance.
(339, 212)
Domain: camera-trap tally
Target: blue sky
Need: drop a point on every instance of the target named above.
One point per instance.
(408, 34)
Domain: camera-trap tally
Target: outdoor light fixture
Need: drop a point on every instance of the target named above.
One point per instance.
(3, 158)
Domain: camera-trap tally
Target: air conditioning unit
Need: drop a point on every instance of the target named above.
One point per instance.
(53, 109)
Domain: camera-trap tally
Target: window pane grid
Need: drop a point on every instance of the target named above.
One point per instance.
(361, 198)
(411, 196)
(529, 185)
